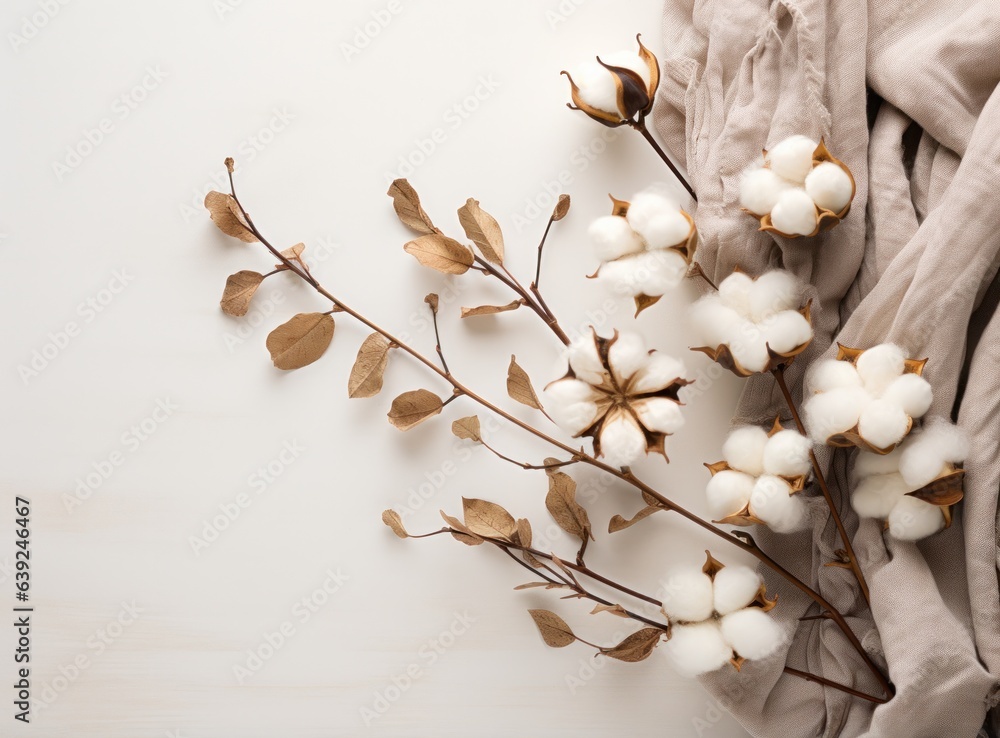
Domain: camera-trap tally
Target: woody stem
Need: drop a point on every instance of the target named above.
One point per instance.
(640, 126)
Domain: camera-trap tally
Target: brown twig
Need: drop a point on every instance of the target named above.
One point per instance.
(640, 126)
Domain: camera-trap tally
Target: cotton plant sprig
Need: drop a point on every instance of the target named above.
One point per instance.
(303, 339)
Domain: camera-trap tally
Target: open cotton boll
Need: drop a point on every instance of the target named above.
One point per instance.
(659, 414)
(715, 322)
(867, 464)
(734, 291)
(621, 275)
(912, 519)
(794, 213)
(773, 502)
(744, 449)
(833, 412)
(613, 237)
(925, 456)
(629, 60)
(876, 496)
(572, 404)
(829, 186)
(749, 348)
(622, 441)
(752, 633)
(688, 594)
(882, 423)
(659, 371)
(911, 392)
(648, 205)
(735, 588)
(584, 359)
(773, 292)
(830, 374)
(669, 229)
(728, 492)
(760, 189)
(697, 648)
(879, 365)
(787, 330)
(786, 454)
(627, 355)
(793, 158)
(596, 86)
(658, 272)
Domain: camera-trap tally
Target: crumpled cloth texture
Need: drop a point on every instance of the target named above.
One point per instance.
(905, 93)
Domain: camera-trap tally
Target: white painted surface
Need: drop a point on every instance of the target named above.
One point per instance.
(131, 208)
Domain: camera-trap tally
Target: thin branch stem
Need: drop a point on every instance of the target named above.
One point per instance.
(810, 677)
(511, 281)
(524, 464)
(437, 339)
(538, 261)
(640, 126)
(698, 271)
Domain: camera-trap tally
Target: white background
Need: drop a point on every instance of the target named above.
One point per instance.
(317, 132)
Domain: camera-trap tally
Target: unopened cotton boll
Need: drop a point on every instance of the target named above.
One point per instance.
(735, 588)
(773, 292)
(716, 323)
(829, 186)
(760, 189)
(787, 330)
(749, 348)
(687, 594)
(912, 519)
(875, 497)
(648, 205)
(659, 372)
(752, 633)
(926, 455)
(668, 229)
(883, 424)
(795, 213)
(879, 365)
(658, 272)
(734, 291)
(793, 158)
(584, 359)
(728, 492)
(744, 449)
(830, 374)
(911, 392)
(596, 86)
(627, 355)
(613, 237)
(572, 404)
(833, 412)
(622, 441)
(773, 502)
(867, 464)
(658, 414)
(786, 454)
(697, 648)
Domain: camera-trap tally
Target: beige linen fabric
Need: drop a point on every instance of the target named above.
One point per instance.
(913, 263)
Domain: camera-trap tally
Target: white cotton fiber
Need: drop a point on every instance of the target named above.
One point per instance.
(688, 594)
(621, 275)
(876, 496)
(734, 291)
(622, 441)
(773, 502)
(627, 354)
(752, 633)
(749, 347)
(829, 186)
(584, 359)
(879, 365)
(716, 323)
(759, 190)
(911, 392)
(912, 519)
(926, 454)
(744, 449)
(833, 412)
(787, 330)
(571, 403)
(728, 492)
(829, 374)
(659, 414)
(883, 424)
(648, 205)
(697, 648)
(867, 464)
(659, 371)
(669, 229)
(773, 292)
(794, 213)
(786, 454)
(596, 86)
(629, 60)
(613, 237)
(793, 158)
(658, 272)
(735, 588)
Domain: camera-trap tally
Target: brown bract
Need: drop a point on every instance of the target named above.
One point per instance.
(945, 491)
(634, 97)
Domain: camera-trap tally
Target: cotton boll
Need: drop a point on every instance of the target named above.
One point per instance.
(596, 86)
(912, 519)
(697, 649)
(621, 275)
(716, 323)
(627, 355)
(659, 372)
(787, 330)
(749, 348)
(735, 588)
(629, 60)
(926, 455)
(773, 292)
(786, 454)
(829, 374)
(911, 392)
(659, 414)
(734, 291)
(760, 189)
(868, 464)
(584, 359)
(658, 272)
(752, 633)
(622, 441)
(879, 365)
(794, 213)
(833, 412)
(744, 449)
(773, 502)
(728, 492)
(793, 158)
(613, 237)
(688, 594)
(572, 404)
(669, 229)
(875, 497)
(829, 186)
(883, 424)
(647, 206)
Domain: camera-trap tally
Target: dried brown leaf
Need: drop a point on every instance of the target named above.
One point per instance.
(463, 534)
(612, 609)
(414, 407)
(561, 503)
(227, 216)
(519, 385)
(555, 632)
(488, 519)
(293, 253)
(483, 230)
(240, 288)
(467, 428)
(490, 309)
(524, 533)
(369, 367)
(562, 207)
(635, 647)
(392, 519)
(301, 340)
(618, 523)
(406, 203)
(534, 585)
(439, 252)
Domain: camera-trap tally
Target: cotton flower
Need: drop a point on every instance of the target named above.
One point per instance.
(718, 615)
(620, 394)
(759, 478)
(913, 487)
(617, 88)
(753, 325)
(798, 189)
(866, 398)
